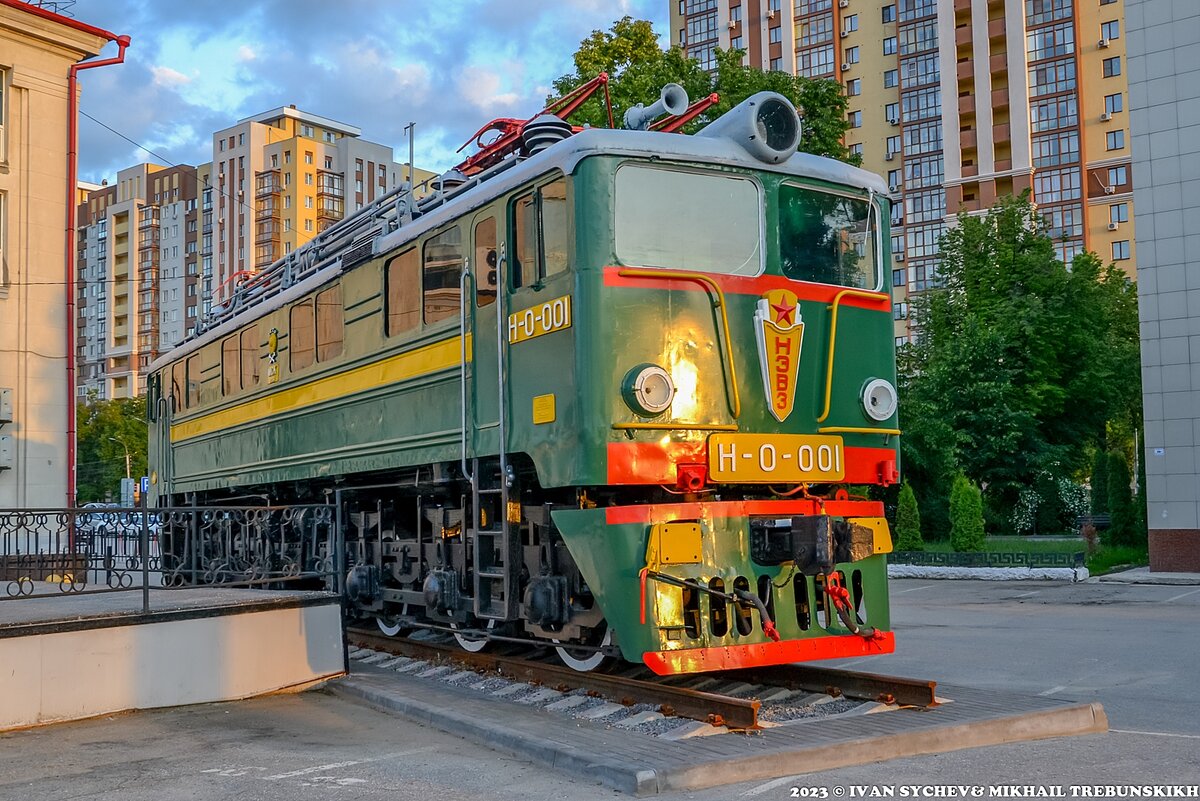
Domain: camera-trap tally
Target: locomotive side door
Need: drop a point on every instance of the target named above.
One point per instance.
(483, 399)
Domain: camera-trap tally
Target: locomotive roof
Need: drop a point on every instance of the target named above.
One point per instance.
(564, 155)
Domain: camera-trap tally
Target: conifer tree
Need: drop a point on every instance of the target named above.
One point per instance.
(966, 516)
(908, 521)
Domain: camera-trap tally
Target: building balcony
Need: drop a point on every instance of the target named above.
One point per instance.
(148, 218)
(330, 184)
(267, 183)
(267, 233)
(330, 208)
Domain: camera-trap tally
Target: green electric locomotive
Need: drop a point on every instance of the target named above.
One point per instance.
(599, 389)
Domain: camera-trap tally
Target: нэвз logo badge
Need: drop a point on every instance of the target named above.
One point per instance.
(780, 332)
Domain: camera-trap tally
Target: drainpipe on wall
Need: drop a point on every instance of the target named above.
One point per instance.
(72, 175)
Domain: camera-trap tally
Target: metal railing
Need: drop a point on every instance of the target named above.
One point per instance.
(54, 552)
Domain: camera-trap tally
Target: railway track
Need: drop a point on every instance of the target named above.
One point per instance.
(633, 684)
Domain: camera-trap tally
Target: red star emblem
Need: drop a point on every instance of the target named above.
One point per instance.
(784, 312)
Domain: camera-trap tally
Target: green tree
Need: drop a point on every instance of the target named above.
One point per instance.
(966, 516)
(638, 69)
(908, 521)
(104, 429)
(1100, 482)
(1021, 362)
(1122, 529)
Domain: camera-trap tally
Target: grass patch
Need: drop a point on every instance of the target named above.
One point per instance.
(1108, 558)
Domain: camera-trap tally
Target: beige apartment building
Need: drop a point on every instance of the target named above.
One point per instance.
(957, 103)
(37, 51)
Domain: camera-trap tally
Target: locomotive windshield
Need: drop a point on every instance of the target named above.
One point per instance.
(688, 220)
(827, 238)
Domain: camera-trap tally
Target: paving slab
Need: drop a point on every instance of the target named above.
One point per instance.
(639, 764)
(1142, 575)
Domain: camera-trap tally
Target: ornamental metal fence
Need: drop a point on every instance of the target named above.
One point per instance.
(986, 559)
(54, 552)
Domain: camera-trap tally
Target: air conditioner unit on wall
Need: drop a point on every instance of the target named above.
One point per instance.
(732, 24)
(845, 67)
(1105, 117)
(1102, 43)
(889, 156)
(900, 256)
(894, 120)
(1109, 190)
(1112, 226)
(843, 3)
(893, 188)
(845, 34)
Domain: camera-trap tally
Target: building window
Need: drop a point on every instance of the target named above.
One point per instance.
(1120, 250)
(1110, 30)
(889, 13)
(776, 35)
(855, 149)
(850, 23)
(815, 63)
(891, 79)
(1115, 139)
(895, 178)
(735, 14)
(735, 43)
(1114, 103)
(893, 144)
(852, 55)
(1118, 176)
(855, 118)
(854, 87)
(900, 311)
(1051, 42)
(1112, 67)
(1051, 186)
(1118, 213)
(889, 46)
(777, 64)
(891, 112)
(306, 130)
(898, 277)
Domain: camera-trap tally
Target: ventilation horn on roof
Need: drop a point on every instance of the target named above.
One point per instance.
(765, 124)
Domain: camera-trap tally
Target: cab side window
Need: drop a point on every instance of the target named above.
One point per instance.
(443, 261)
(230, 366)
(540, 233)
(403, 293)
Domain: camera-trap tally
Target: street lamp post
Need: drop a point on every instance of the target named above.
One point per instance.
(121, 442)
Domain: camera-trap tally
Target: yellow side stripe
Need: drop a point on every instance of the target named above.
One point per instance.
(402, 366)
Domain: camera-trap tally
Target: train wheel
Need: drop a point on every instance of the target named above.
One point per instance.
(585, 660)
(392, 629)
(469, 643)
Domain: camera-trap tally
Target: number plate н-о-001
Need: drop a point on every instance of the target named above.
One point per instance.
(553, 315)
(775, 458)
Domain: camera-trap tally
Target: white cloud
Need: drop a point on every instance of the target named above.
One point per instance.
(480, 87)
(165, 76)
(246, 53)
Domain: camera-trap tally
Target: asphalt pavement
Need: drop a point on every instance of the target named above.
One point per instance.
(1135, 648)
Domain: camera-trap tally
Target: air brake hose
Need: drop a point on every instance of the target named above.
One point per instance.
(839, 596)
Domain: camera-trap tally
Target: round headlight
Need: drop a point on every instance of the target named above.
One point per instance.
(879, 399)
(648, 389)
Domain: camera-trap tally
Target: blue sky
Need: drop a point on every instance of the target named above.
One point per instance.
(196, 66)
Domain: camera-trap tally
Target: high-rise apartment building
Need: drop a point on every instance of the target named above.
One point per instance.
(957, 103)
(137, 275)
(160, 245)
(279, 178)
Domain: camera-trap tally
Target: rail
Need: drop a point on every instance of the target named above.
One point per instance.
(666, 692)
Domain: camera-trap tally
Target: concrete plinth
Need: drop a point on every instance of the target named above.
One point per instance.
(72, 657)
